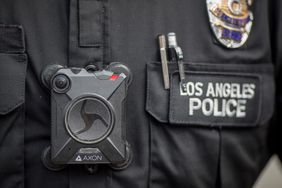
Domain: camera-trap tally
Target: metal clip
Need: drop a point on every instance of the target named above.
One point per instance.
(176, 54)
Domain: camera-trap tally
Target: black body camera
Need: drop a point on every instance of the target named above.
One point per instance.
(88, 116)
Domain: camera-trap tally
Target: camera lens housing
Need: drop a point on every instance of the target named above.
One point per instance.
(61, 83)
(81, 115)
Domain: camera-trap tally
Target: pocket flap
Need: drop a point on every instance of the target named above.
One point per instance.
(12, 81)
(11, 39)
(225, 95)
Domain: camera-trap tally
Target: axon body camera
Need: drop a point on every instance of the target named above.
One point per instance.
(88, 116)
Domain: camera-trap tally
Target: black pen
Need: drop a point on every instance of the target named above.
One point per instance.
(176, 55)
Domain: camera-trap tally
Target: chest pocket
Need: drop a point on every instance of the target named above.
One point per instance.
(189, 126)
(13, 62)
(216, 95)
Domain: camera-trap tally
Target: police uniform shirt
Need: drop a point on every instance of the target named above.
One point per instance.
(219, 133)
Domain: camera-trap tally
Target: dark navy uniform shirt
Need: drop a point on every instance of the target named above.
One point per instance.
(179, 140)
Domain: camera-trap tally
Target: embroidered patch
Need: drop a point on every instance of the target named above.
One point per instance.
(216, 99)
(231, 21)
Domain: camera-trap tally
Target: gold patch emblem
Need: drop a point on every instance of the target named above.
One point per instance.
(231, 21)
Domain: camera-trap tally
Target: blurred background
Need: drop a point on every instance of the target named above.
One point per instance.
(271, 176)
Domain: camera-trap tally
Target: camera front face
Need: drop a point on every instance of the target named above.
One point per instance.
(88, 120)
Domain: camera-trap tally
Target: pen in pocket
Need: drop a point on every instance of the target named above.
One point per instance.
(163, 53)
(176, 55)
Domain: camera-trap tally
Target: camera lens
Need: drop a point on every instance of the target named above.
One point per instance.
(89, 120)
(61, 83)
